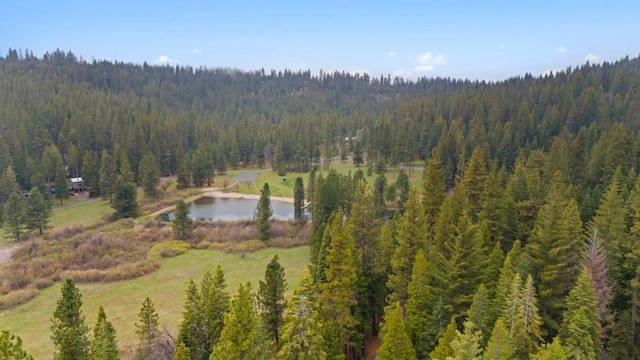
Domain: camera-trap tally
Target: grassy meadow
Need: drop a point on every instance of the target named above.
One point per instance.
(166, 286)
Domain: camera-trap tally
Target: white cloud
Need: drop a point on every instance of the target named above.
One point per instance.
(391, 54)
(502, 46)
(399, 73)
(592, 58)
(197, 51)
(429, 59)
(165, 60)
(561, 50)
(423, 68)
(551, 72)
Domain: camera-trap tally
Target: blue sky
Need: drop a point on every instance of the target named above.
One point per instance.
(490, 40)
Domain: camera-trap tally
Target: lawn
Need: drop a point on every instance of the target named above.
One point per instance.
(165, 287)
(81, 213)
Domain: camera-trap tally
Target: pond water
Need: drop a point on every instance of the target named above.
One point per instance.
(231, 209)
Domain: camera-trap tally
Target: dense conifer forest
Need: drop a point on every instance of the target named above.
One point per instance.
(522, 242)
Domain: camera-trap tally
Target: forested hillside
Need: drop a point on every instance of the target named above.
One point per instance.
(524, 233)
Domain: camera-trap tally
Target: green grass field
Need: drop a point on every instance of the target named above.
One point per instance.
(166, 286)
(81, 214)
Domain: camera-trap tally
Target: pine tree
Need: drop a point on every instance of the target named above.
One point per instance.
(68, 331)
(418, 312)
(301, 334)
(263, 212)
(104, 345)
(582, 299)
(8, 184)
(395, 342)
(338, 294)
(298, 200)
(481, 313)
(61, 183)
(474, 180)
(554, 250)
(578, 342)
(91, 173)
(271, 299)
(11, 347)
(149, 174)
(182, 352)
(191, 328)
(108, 175)
(184, 173)
(217, 303)
(403, 188)
(410, 235)
(37, 212)
(147, 330)
(125, 170)
(444, 350)
(242, 336)
(433, 193)
(182, 223)
(499, 346)
(124, 201)
(466, 345)
(521, 317)
(553, 351)
(14, 216)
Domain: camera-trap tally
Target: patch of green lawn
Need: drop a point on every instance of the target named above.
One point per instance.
(87, 213)
(166, 288)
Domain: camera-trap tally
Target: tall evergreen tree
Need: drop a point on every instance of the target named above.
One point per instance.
(480, 313)
(191, 329)
(410, 236)
(68, 331)
(124, 201)
(301, 334)
(148, 331)
(37, 212)
(298, 199)
(395, 343)
(149, 174)
(182, 223)
(554, 250)
(104, 345)
(108, 174)
(338, 295)
(184, 172)
(466, 345)
(581, 319)
(271, 299)
(263, 213)
(433, 193)
(14, 216)
(243, 336)
(444, 351)
(61, 183)
(499, 346)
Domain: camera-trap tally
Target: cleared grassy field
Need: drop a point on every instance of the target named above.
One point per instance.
(81, 213)
(166, 286)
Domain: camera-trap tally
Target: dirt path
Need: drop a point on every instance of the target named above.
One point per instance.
(6, 252)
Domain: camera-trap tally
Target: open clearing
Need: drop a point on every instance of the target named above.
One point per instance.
(166, 286)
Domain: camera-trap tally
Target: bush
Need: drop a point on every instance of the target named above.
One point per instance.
(17, 297)
(123, 272)
(168, 249)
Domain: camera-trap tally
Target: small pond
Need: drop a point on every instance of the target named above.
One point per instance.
(233, 209)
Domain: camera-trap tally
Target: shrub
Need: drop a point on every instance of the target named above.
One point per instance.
(168, 249)
(17, 297)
